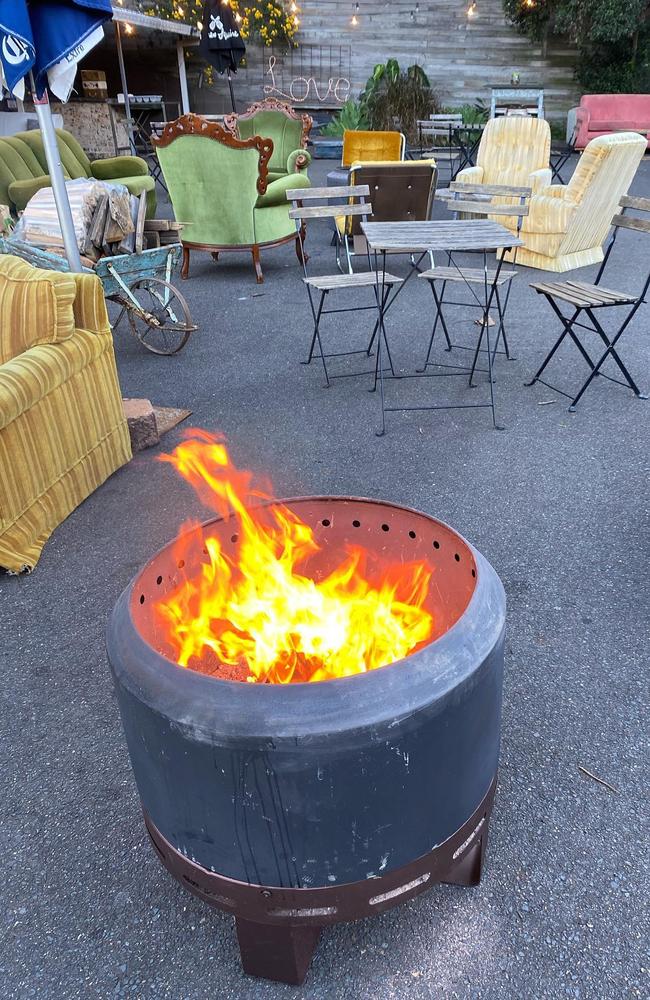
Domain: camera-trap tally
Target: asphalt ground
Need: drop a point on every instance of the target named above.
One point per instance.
(558, 502)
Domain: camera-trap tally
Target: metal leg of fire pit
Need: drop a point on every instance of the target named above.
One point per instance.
(275, 951)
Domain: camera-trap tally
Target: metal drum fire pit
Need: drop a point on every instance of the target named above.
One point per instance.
(294, 806)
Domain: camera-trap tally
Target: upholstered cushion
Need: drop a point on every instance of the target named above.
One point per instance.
(35, 307)
(371, 146)
(112, 167)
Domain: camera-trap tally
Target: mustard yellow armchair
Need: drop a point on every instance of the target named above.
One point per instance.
(62, 429)
(514, 150)
(567, 224)
(364, 147)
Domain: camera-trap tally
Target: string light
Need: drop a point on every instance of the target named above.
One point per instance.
(238, 17)
(294, 7)
(471, 10)
(128, 29)
(355, 20)
(199, 25)
(296, 21)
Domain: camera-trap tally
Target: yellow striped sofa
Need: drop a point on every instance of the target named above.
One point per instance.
(62, 429)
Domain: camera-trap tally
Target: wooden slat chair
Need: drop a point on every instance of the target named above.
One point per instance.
(580, 296)
(436, 138)
(496, 201)
(319, 287)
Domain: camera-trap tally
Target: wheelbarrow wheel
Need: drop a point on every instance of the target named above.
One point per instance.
(163, 321)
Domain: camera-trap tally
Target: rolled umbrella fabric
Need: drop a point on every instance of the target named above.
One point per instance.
(221, 42)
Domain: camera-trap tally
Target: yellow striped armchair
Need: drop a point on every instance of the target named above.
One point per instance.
(514, 151)
(62, 428)
(567, 224)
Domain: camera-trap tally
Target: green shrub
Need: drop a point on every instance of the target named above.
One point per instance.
(396, 98)
(351, 117)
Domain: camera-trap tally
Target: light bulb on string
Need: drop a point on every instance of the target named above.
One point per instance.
(471, 10)
(355, 20)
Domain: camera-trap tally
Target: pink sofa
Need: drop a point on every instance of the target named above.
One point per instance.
(600, 114)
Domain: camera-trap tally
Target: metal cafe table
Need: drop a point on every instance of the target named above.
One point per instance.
(448, 236)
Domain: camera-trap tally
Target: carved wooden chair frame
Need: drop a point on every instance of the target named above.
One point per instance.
(273, 104)
(191, 124)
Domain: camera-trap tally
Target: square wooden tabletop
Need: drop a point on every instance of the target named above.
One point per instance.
(439, 234)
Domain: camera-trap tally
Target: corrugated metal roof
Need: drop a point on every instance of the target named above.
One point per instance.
(139, 20)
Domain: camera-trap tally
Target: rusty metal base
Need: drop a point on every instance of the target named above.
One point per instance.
(278, 928)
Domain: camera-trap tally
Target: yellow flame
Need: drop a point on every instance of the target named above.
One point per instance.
(257, 608)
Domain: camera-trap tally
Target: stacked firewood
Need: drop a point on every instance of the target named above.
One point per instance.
(107, 221)
(161, 232)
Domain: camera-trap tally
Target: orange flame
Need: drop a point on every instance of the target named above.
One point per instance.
(255, 612)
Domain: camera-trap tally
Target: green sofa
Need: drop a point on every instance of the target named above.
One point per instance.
(23, 168)
(220, 190)
(287, 129)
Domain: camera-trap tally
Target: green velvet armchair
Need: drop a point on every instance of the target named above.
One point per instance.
(220, 190)
(288, 130)
(23, 168)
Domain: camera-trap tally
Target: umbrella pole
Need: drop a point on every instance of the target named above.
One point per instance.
(44, 115)
(125, 87)
(232, 92)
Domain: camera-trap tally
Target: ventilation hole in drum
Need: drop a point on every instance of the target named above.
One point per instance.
(234, 538)
(181, 563)
(141, 598)
(473, 572)
(159, 580)
(456, 557)
(205, 551)
(412, 534)
(436, 545)
(326, 522)
(374, 900)
(385, 527)
(356, 524)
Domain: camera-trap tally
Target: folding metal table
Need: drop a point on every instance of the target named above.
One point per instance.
(448, 236)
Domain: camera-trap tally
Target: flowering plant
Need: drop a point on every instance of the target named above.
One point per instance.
(267, 21)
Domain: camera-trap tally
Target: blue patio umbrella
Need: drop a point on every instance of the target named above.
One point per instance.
(46, 39)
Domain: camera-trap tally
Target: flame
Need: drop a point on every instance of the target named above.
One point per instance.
(255, 611)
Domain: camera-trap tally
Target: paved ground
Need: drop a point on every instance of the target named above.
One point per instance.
(558, 503)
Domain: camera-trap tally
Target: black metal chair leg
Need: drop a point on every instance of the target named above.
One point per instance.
(566, 323)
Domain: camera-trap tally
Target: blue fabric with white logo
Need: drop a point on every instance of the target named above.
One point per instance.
(41, 33)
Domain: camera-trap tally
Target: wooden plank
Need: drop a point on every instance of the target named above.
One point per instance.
(469, 275)
(344, 191)
(630, 201)
(559, 291)
(483, 208)
(329, 211)
(362, 279)
(493, 189)
(628, 222)
(460, 234)
(607, 295)
(139, 225)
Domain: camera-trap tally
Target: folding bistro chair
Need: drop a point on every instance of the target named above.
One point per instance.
(479, 201)
(582, 297)
(436, 139)
(319, 287)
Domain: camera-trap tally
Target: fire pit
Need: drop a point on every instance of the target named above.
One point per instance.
(296, 805)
